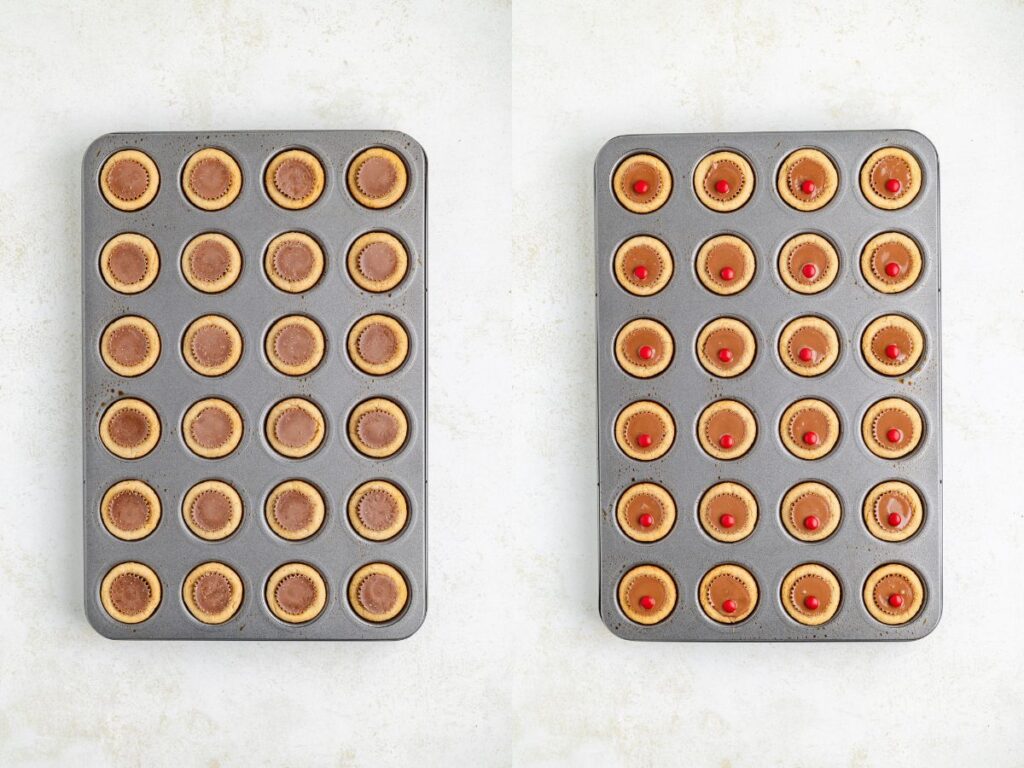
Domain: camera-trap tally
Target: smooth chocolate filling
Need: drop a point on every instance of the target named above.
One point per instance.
(724, 339)
(641, 504)
(376, 177)
(295, 179)
(892, 335)
(377, 510)
(212, 592)
(295, 594)
(377, 261)
(128, 427)
(725, 422)
(727, 171)
(639, 170)
(725, 255)
(130, 593)
(293, 510)
(128, 511)
(211, 427)
(893, 418)
(642, 256)
(293, 260)
(814, 586)
(128, 263)
(803, 254)
(377, 344)
(810, 505)
(893, 584)
(209, 260)
(806, 169)
(211, 511)
(646, 586)
(893, 502)
(891, 252)
(210, 178)
(128, 180)
(728, 587)
(810, 338)
(645, 336)
(378, 593)
(891, 167)
(377, 429)
(211, 346)
(296, 427)
(128, 345)
(294, 344)
(645, 423)
(808, 420)
(727, 504)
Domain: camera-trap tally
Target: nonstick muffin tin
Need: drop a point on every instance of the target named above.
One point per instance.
(769, 386)
(254, 385)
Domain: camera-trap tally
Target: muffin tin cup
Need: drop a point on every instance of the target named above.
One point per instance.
(766, 222)
(253, 304)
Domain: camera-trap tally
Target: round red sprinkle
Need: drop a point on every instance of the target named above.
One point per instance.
(806, 354)
(896, 601)
(727, 441)
(808, 187)
(646, 520)
(727, 520)
(811, 522)
(892, 269)
(893, 185)
(646, 352)
(810, 438)
(640, 273)
(647, 602)
(892, 351)
(727, 273)
(725, 355)
(894, 435)
(895, 518)
(722, 187)
(809, 271)
(641, 187)
(644, 440)
(811, 603)
(729, 606)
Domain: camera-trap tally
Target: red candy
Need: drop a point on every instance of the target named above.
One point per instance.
(727, 520)
(893, 186)
(808, 187)
(644, 440)
(892, 269)
(806, 354)
(640, 273)
(809, 271)
(811, 522)
(896, 601)
(725, 355)
(811, 603)
(641, 187)
(646, 520)
(729, 606)
(647, 602)
(722, 187)
(894, 435)
(810, 438)
(646, 352)
(727, 441)
(895, 518)
(727, 273)
(892, 351)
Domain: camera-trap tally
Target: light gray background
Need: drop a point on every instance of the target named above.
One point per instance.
(512, 103)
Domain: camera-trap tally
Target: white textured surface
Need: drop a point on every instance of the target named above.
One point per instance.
(512, 102)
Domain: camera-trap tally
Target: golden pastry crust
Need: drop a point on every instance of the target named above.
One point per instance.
(828, 188)
(718, 613)
(740, 447)
(660, 611)
(823, 278)
(885, 283)
(737, 198)
(882, 363)
(656, 450)
(383, 405)
(665, 503)
(144, 198)
(713, 527)
(232, 187)
(714, 365)
(398, 356)
(296, 570)
(662, 191)
(283, 197)
(231, 441)
(662, 255)
(366, 282)
(147, 442)
(790, 353)
(914, 589)
(713, 281)
(622, 341)
(316, 354)
(130, 324)
(190, 352)
(295, 451)
(877, 197)
(232, 269)
(149, 253)
(188, 507)
(885, 451)
(136, 570)
(317, 510)
(797, 608)
(234, 602)
(367, 198)
(873, 514)
(389, 572)
(795, 526)
(401, 508)
(797, 444)
(274, 272)
(146, 495)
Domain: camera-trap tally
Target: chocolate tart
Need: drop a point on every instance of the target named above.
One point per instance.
(724, 181)
(809, 346)
(294, 262)
(647, 594)
(129, 180)
(809, 429)
(810, 511)
(726, 429)
(130, 428)
(892, 428)
(378, 510)
(294, 345)
(378, 592)
(211, 262)
(212, 428)
(645, 430)
(643, 265)
(727, 512)
(130, 346)
(728, 594)
(891, 262)
(378, 428)
(295, 510)
(811, 594)
(129, 263)
(212, 510)
(378, 345)
(808, 263)
(295, 427)
(377, 178)
(894, 594)
(294, 179)
(644, 348)
(377, 262)
(130, 592)
(646, 512)
(726, 347)
(891, 178)
(725, 264)
(211, 180)
(892, 345)
(212, 345)
(212, 592)
(642, 183)
(893, 511)
(296, 593)
(130, 510)
(808, 179)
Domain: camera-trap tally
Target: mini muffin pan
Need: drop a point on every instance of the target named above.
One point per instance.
(769, 386)
(254, 344)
